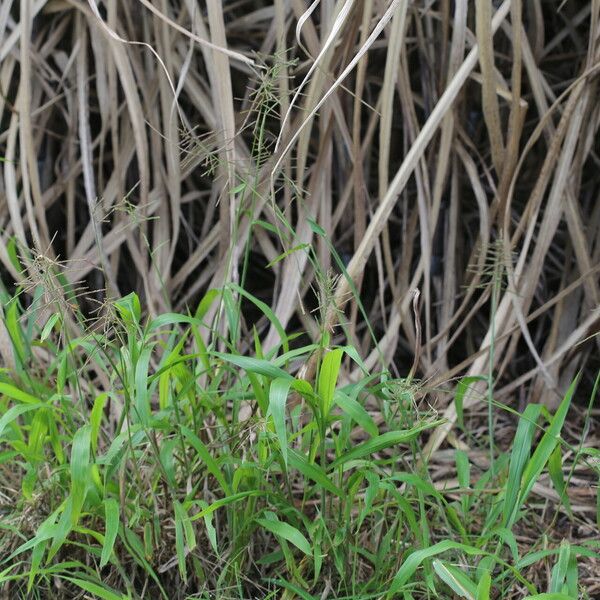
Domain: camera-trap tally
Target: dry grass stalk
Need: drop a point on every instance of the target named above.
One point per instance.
(131, 130)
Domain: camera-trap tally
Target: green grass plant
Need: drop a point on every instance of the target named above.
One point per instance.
(206, 473)
(176, 423)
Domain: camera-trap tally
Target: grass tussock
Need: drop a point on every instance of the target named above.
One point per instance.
(299, 301)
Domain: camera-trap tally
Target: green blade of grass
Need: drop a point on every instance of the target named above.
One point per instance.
(521, 449)
(286, 531)
(461, 389)
(253, 365)
(572, 578)
(129, 308)
(96, 419)
(456, 580)
(36, 559)
(313, 472)
(16, 411)
(558, 480)
(16, 394)
(169, 319)
(211, 532)
(385, 440)
(267, 311)
(356, 412)
(225, 502)
(548, 596)
(47, 329)
(180, 540)
(294, 589)
(142, 393)
(277, 404)
(80, 462)
(559, 571)
(413, 561)
(328, 375)
(94, 588)
(111, 519)
(483, 587)
(209, 461)
(546, 446)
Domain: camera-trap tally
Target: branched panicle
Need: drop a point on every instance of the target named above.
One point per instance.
(265, 105)
(492, 267)
(327, 283)
(199, 149)
(44, 273)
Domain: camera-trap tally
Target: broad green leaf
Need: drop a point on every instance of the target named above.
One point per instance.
(168, 319)
(36, 559)
(14, 412)
(288, 533)
(253, 365)
(13, 326)
(96, 419)
(63, 528)
(548, 596)
(206, 302)
(414, 560)
(224, 502)
(313, 472)
(559, 571)
(303, 387)
(385, 440)
(508, 537)
(461, 389)
(267, 311)
(277, 404)
(94, 588)
(463, 469)
(352, 353)
(179, 539)
(259, 393)
(546, 445)
(188, 529)
(206, 456)
(50, 323)
(484, 587)
(232, 313)
(37, 434)
(129, 308)
(356, 412)
(572, 578)
(456, 580)
(16, 394)
(111, 517)
(142, 393)
(557, 477)
(166, 456)
(80, 463)
(520, 452)
(211, 532)
(328, 375)
(285, 358)
(539, 555)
